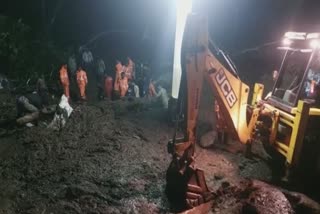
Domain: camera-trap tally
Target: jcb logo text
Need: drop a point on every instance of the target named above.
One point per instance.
(226, 88)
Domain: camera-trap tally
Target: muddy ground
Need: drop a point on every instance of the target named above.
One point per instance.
(112, 158)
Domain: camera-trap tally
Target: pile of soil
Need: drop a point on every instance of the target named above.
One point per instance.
(96, 164)
(112, 158)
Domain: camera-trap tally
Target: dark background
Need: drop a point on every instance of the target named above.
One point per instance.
(144, 29)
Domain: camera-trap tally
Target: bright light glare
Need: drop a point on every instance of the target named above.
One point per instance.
(315, 44)
(184, 7)
(296, 35)
(286, 42)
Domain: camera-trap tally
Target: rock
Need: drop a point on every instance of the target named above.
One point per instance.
(225, 184)
(219, 176)
(267, 199)
(136, 137)
(301, 202)
(208, 139)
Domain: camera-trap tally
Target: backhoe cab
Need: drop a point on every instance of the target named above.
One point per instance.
(299, 74)
(289, 120)
(294, 103)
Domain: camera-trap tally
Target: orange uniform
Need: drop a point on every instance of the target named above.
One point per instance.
(119, 69)
(64, 79)
(82, 81)
(117, 78)
(108, 86)
(152, 90)
(123, 84)
(129, 70)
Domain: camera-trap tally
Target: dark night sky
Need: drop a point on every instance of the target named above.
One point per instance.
(145, 25)
(148, 25)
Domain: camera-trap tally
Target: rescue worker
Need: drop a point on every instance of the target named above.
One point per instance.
(118, 71)
(101, 67)
(133, 90)
(72, 65)
(129, 69)
(151, 89)
(163, 96)
(62, 113)
(136, 90)
(87, 58)
(64, 79)
(41, 85)
(100, 70)
(123, 85)
(108, 87)
(130, 92)
(82, 81)
(4, 83)
(29, 107)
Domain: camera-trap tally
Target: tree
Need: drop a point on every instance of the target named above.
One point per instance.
(23, 57)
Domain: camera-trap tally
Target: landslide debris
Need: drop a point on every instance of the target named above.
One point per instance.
(96, 164)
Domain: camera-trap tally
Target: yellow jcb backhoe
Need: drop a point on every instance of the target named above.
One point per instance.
(287, 121)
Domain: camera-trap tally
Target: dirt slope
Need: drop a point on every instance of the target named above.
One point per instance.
(112, 158)
(94, 164)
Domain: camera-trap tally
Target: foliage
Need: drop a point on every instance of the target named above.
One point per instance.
(21, 56)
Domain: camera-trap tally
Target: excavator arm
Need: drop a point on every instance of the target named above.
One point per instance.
(186, 186)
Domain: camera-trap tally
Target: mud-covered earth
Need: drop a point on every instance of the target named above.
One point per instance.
(112, 158)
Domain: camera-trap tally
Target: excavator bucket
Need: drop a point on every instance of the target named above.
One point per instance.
(187, 191)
